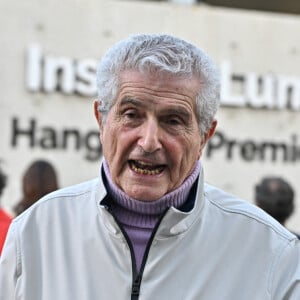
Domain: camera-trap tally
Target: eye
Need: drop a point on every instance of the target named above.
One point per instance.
(174, 120)
(130, 114)
(131, 117)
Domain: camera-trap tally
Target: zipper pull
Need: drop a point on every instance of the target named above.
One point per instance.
(135, 290)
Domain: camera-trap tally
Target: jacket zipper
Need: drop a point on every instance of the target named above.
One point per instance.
(136, 285)
(137, 276)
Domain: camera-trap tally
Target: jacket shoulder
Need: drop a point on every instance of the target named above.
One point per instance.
(61, 198)
(234, 206)
(73, 190)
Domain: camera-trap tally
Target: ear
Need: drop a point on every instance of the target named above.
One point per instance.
(98, 116)
(207, 136)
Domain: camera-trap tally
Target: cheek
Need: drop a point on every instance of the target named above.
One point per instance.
(116, 143)
(192, 151)
(192, 145)
(108, 142)
(182, 151)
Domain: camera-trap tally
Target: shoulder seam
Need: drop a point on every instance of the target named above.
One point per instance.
(253, 217)
(59, 194)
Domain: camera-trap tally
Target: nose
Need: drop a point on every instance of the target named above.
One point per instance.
(150, 139)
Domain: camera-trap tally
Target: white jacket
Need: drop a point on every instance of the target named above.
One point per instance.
(69, 247)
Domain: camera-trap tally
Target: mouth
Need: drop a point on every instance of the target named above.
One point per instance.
(143, 168)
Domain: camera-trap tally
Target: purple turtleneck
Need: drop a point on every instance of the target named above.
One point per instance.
(139, 218)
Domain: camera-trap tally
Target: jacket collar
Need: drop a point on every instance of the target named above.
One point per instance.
(174, 221)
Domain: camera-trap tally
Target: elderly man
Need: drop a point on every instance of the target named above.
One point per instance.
(148, 227)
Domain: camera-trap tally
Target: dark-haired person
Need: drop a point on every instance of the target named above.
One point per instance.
(39, 179)
(276, 196)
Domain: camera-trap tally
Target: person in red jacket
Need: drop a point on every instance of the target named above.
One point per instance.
(5, 218)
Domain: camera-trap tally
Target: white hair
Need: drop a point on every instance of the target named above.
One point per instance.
(163, 53)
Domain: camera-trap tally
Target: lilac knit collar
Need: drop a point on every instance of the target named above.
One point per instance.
(133, 212)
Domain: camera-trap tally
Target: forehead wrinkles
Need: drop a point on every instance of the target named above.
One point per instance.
(155, 93)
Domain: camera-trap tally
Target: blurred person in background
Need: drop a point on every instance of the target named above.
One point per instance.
(5, 218)
(149, 227)
(39, 179)
(276, 196)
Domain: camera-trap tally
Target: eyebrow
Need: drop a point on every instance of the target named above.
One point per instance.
(130, 100)
(176, 110)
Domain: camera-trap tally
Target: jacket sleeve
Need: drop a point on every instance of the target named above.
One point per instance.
(285, 279)
(9, 266)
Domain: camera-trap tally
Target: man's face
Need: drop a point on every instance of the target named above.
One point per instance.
(151, 139)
